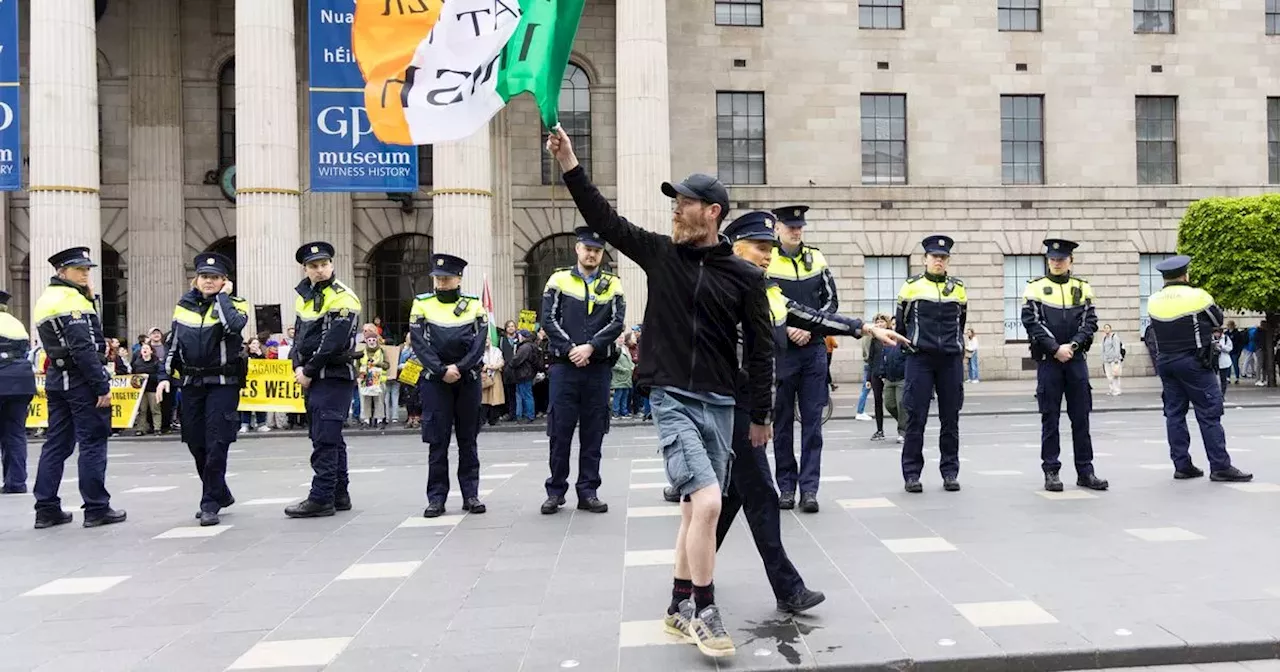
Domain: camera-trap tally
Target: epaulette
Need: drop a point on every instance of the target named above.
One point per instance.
(956, 281)
(468, 296)
(1084, 280)
(424, 296)
(338, 287)
(915, 277)
(807, 246)
(562, 268)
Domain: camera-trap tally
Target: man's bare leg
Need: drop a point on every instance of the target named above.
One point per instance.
(682, 556)
(699, 530)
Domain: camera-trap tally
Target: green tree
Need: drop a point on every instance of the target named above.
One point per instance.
(1233, 245)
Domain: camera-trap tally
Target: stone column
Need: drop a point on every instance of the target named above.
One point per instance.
(325, 216)
(644, 133)
(267, 199)
(156, 275)
(504, 284)
(63, 136)
(462, 206)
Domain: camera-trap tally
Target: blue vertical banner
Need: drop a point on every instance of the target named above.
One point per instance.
(345, 154)
(10, 99)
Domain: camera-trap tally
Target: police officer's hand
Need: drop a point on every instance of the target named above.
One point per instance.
(580, 355)
(161, 388)
(887, 336)
(303, 379)
(452, 374)
(104, 401)
(228, 287)
(761, 435)
(561, 148)
(1064, 353)
(798, 336)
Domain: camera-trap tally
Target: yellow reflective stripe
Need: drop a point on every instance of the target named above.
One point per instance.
(11, 327)
(777, 305)
(441, 314)
(61, 301)
(924, 289)
(331, 302)
(191, 318)
(1060, 295)
(1178, 301)
(793, 268)
(569, 284)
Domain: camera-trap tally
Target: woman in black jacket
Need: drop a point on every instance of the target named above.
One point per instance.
(146, 363)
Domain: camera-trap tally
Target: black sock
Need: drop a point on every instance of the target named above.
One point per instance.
(681, 590)
(704, 596)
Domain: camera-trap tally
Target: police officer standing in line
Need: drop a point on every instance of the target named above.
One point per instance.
(328, 317)
(932, 309)
(79, 393)
(447, 332)
(1059, 317)
(1183, 319)
(805, 277)
(206, 352)
(583, 313)
(17, 387)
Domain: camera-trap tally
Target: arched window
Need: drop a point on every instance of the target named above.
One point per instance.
(544, 258)
(575, 118)
(227, 114)
(115, 310)
(400, 267)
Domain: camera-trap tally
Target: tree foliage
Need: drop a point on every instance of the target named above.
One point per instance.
(1234, 244)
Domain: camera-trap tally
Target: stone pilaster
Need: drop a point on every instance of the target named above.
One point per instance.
(156, 213)
(644, 133)
(267, 201)
(63, 136)
(462, 205)
(325, 216)
(503, 281)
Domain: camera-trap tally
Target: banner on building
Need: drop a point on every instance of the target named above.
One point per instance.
(344, 153)
(434, 77)
(126, 395)
(271, 387)
(10, 99)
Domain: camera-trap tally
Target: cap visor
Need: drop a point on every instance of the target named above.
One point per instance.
(672, 190)
(440, 273)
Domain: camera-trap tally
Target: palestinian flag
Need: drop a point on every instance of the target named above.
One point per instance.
(486, 300)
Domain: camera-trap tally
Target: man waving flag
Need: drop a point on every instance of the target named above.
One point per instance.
(438, 71)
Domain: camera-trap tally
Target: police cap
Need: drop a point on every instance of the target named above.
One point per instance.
(447, 264)
(212, 263)
(1059, 248)
(938, 244)
(588, 237)
(1174, 267)
(314, 251)
(72, 257)
(701, 187)
(791, 215)
(758, 225)
(4, 297)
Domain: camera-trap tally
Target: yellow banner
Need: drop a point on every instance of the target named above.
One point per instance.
(410, 372)
(271, 387)
(384, 37)
(125, 394)
(528, 320)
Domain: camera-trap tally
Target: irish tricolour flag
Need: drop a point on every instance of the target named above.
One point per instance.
(437, 71)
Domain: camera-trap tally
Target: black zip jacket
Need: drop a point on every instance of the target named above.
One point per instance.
(698, 296)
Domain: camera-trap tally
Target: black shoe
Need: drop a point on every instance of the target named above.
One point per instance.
(342, 502)
(787, 501)
(51, 518)
(809, 502)
(473, 505)
(671, 495)
(208, 518)
(912, 485)
(1231, 474)
(950, 484)
(1191, 472)
(1052, 482)
(227, 502)
(552, 505)
(1092, 482)
(14, 489)
(309, 509)
(108, 517)
(878, 436)
(593, 504)
(433, 510)
(802, 601)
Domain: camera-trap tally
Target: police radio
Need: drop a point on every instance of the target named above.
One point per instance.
(602, 285)
(461, 308)
(949, 287)
(1077, 295)
(807, 259)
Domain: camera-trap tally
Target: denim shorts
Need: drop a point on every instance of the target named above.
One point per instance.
(696, 439)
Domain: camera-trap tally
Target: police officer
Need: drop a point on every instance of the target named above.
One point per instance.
(206, 352)
(804, 276)
(932, 309)
(1183, 319)
(447, 332)
(328, 317)
(583, 313)
(1060, 321)
(17, 387)
(79, 393)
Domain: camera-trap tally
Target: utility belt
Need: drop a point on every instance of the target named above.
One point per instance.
(60, 357)
(238, 368)
(339, 359)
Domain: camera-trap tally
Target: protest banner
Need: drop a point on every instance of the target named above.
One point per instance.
(528, 320)
(271, 387)
(126, 391)
(410, 372)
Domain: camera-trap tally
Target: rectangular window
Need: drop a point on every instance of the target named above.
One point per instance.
(739, 13)
(1018, 271)
(880, 14)
(1022, 139)
(884, 277)
(740, 137)
(884, 138)
(1149, 282)
(425, 176)
(1153, 16)
(1273, 17)
(1157, 133)
(1016, 15)
(1273, 139)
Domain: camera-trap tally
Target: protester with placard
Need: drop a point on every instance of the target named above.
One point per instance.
(17, 387)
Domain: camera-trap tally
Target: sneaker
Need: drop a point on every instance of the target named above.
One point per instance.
(862, 417)
(677, 624)
(707, 630)
(244, 429)
(878, 436)
(900, 437)
(264, 428)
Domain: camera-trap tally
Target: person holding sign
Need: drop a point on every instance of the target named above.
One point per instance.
(78, 389)
(17, 387)
(328, 318)
(448, 331)
(206, 352)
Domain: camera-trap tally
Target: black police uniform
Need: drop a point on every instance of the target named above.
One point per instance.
(450, 328)
(806, 278)
(205, 353)
(1183, 319)
(71, 332)
(578, 310)
(932, 311)
(17, 387)
(328, 316)
(1058, 310)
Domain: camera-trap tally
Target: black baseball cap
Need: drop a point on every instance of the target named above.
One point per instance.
(702, 187)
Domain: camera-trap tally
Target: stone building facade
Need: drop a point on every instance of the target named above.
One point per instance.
(893, 120)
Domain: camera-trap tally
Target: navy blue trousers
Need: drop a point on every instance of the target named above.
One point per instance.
(448, 409)
(209, 425)
(1186, 382)
(1055, 380)
(74, 419)
(13, 438)
(579, 397)
(328, 406)
(802, 372)
(927, 374)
